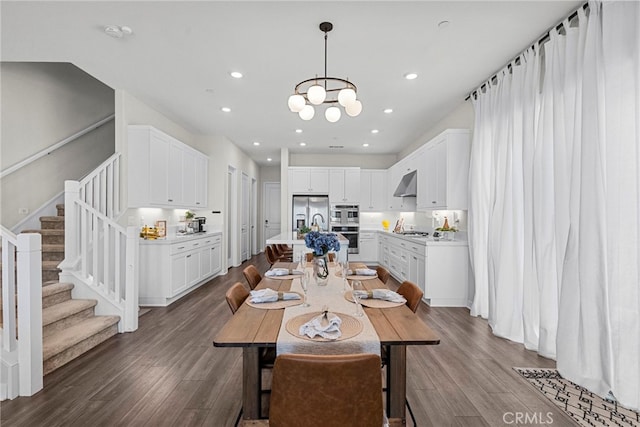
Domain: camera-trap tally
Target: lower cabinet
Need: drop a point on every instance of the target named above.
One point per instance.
(440, 269)
(169, 269)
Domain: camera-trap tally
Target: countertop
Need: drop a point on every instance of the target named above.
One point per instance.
(427, 241)
(180, 238)
(291, 238)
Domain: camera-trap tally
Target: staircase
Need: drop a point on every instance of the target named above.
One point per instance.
(69, 326)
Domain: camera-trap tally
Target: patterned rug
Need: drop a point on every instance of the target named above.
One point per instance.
(584, 407)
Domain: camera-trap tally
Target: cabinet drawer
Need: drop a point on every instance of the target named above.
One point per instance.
(177, 248)
(413, 247)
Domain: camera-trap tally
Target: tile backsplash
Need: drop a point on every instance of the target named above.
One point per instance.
(420, 221)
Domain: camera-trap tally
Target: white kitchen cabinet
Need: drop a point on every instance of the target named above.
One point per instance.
(367, 248)
(169, 269)
(444, 172)
(308, 180)
(344, 185)
(164, 172)
(373, 194)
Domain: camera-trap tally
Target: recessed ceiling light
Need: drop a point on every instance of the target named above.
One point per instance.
(269, 159)
(256, 143)
(443, 24)
(226, 109)
(374, 131)
(209, 90)
(236, 74)
(388, 110)
(365, 145)
(302, 144)
(117, 31)
(298, 130)
(410, 76)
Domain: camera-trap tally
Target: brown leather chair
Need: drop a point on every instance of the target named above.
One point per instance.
(271, 256)
(331, 256)
(284, 249)
(281, 255)
(383, 274)
(412, 293)
(252, 275)
(326, 390)
(235, 296)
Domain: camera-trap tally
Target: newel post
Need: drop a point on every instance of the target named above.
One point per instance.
(71, 223)
(131, 281)
(30, 313)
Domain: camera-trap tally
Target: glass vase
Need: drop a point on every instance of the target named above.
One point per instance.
(321, 270)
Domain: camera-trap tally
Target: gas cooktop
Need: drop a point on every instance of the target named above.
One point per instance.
(414, 233)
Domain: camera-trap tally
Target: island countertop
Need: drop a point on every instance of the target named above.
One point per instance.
(291, 238)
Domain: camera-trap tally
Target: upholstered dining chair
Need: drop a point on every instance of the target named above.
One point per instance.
(319, 390)
(331, 256)
(383, 274)
(412, 293)
(235, 296)
(285, 250)
(252, 275)
(281, 255)
(270, 255)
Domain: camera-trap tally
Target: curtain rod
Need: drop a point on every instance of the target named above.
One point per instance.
(543, 39)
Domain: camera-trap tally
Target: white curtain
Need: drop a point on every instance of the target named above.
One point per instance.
(554, 217)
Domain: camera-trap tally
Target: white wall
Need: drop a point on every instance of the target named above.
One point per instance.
(43, 103)
(462, 117)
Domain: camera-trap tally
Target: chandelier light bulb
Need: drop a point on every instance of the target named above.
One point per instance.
(353, 109)
(316, 94)
(307, 112)
(296, 103)
(332, 114)
(346, 96)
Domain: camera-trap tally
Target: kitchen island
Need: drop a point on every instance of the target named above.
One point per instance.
(299, 247)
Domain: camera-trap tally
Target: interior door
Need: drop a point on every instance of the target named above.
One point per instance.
(271, 210)
(244, 227)
(254, 217)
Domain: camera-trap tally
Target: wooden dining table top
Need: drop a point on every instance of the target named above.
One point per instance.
(256, 327)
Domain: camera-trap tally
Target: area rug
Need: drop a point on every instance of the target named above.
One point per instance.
(584, 407)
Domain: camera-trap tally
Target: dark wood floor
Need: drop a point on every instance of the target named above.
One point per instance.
(169, 373)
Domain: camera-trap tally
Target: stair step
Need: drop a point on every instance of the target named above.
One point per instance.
(55, 293)
(50, 270)
(52, 222)
(53, 237)
(52, 252)
(66, 314)
(60, 209)
(66, 345)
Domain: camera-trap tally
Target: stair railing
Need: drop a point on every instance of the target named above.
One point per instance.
(101, 259)
(101, 188)
(22, 368)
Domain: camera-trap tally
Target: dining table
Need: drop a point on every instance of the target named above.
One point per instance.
(253, 329)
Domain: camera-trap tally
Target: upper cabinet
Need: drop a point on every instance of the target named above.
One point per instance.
(308, 180)
(373, 190)
(344, 185)
(164, 172)
(394, 176)
(443, 173)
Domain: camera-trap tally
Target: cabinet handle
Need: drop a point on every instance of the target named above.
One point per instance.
(433, 201)
(197, 203)
(181, 247)
(170, 200)
(189, 256)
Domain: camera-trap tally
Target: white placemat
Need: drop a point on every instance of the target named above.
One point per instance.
(331, 295)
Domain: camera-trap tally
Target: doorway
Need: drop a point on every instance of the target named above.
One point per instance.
(254, 216)
(232, 217)
(271, 209)
(244, 226)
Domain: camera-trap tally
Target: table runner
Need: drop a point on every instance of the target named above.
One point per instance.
(332, 295)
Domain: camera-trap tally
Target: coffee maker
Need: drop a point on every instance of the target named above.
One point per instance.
(199, 224)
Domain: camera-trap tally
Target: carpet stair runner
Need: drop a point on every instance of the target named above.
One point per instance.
(69, 326)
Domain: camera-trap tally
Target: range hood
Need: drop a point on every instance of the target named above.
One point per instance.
(408, 185)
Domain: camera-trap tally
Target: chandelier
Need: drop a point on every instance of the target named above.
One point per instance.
(325, 90)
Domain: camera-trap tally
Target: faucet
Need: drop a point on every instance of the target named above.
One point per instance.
(313, 219)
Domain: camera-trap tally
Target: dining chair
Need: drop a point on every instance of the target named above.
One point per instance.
(285, 249)
(319, 390)
(412, 293)
(281, 255)
(383, 274)
(252, 275)
(270, 255)
(331, 256)
(235, 296)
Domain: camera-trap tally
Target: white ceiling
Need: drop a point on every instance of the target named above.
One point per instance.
(180, 55)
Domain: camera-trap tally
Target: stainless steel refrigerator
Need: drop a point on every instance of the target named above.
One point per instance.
(308, 209)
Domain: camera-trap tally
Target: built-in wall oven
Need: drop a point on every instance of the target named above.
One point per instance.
(345, 219)
(345, 215)
(351, 233)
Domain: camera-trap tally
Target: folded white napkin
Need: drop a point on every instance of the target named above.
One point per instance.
(282, 272)
(326, 326)
(362, 272)
(269, 295)
(384, 294)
